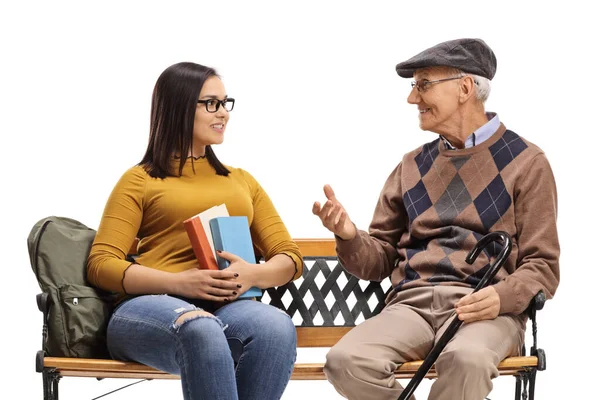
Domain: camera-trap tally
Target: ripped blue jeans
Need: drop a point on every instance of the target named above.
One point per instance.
(247, 352)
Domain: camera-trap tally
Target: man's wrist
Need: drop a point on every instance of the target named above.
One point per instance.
(350, 236)
(345, 239)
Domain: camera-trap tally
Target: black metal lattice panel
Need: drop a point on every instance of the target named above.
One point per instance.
(294, 298)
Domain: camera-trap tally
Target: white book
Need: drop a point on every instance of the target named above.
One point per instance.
(205, 217)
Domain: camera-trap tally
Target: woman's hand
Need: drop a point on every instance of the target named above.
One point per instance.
(333, 216)
(207, 284)
(244, 271)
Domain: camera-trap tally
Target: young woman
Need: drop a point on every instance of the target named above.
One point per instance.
(174, 316)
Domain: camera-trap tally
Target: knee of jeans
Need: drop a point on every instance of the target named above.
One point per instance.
(280, 327)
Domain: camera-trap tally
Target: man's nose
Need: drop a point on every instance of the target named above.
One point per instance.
(414, 97)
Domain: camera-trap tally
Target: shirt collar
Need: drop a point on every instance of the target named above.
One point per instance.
(480, 135)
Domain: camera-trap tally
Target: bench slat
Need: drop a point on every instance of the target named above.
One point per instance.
(308, 247)
(320, 336)
(85, 367)
(316, 247)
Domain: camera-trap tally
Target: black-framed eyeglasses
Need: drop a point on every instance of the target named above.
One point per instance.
(423, 84)
(212, 105)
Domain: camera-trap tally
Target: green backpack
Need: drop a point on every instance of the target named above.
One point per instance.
(78, 313)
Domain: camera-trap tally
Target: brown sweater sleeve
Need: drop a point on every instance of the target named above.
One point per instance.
(537, 269)
(372, 255)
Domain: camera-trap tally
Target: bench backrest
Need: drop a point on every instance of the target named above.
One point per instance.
(326, 301)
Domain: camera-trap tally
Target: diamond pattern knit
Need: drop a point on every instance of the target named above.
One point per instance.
(438, 203)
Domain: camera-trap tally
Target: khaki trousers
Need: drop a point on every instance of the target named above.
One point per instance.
(361, 365)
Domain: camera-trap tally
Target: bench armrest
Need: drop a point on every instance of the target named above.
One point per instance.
(43, 302)
(536, 304)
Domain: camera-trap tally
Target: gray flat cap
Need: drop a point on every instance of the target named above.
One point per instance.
(469, 55)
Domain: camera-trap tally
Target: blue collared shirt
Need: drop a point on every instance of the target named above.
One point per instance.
(480, 135)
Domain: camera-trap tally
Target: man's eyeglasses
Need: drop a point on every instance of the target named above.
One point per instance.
(423, 84)
(212, 105)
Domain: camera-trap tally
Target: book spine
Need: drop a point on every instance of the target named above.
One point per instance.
(222, 228)
(200, 245)
(218, 242)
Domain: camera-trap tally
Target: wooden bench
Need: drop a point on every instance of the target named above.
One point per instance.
(324, 304)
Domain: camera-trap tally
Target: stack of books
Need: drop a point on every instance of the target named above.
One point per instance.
(215, 230)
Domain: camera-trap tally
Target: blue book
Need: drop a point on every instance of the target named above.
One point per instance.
(232, 234)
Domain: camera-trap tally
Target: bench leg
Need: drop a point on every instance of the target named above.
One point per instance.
(518, 387)
(525, 385)
(50, 383)
(532, 374)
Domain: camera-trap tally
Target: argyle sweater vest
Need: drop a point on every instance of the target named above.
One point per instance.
(438, 203)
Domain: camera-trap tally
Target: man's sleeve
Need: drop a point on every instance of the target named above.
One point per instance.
(372, 255)
(537, 268)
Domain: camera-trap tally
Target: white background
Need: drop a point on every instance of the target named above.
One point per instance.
(317, 101)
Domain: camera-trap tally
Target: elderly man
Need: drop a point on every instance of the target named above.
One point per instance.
(475, 178)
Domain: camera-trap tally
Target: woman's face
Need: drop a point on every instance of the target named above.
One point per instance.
(209, 128)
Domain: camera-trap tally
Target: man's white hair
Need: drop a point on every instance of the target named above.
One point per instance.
(483, 86)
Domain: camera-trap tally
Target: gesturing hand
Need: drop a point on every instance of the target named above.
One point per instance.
(333, 215)
(208, 284)
(484, 304)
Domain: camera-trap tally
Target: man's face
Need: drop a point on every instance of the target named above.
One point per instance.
(437, 102)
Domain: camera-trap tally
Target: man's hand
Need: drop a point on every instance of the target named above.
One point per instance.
(484, 304)
(333, 216)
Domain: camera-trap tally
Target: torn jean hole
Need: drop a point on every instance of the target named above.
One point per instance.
(195, 313)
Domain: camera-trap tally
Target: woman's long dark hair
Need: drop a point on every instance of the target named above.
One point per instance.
(174, 102)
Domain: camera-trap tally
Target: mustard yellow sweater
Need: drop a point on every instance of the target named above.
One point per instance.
(154, 209)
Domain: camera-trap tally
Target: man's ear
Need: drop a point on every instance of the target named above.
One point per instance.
(467, 88)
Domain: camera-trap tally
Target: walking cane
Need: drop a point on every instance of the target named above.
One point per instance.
(503, 238)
